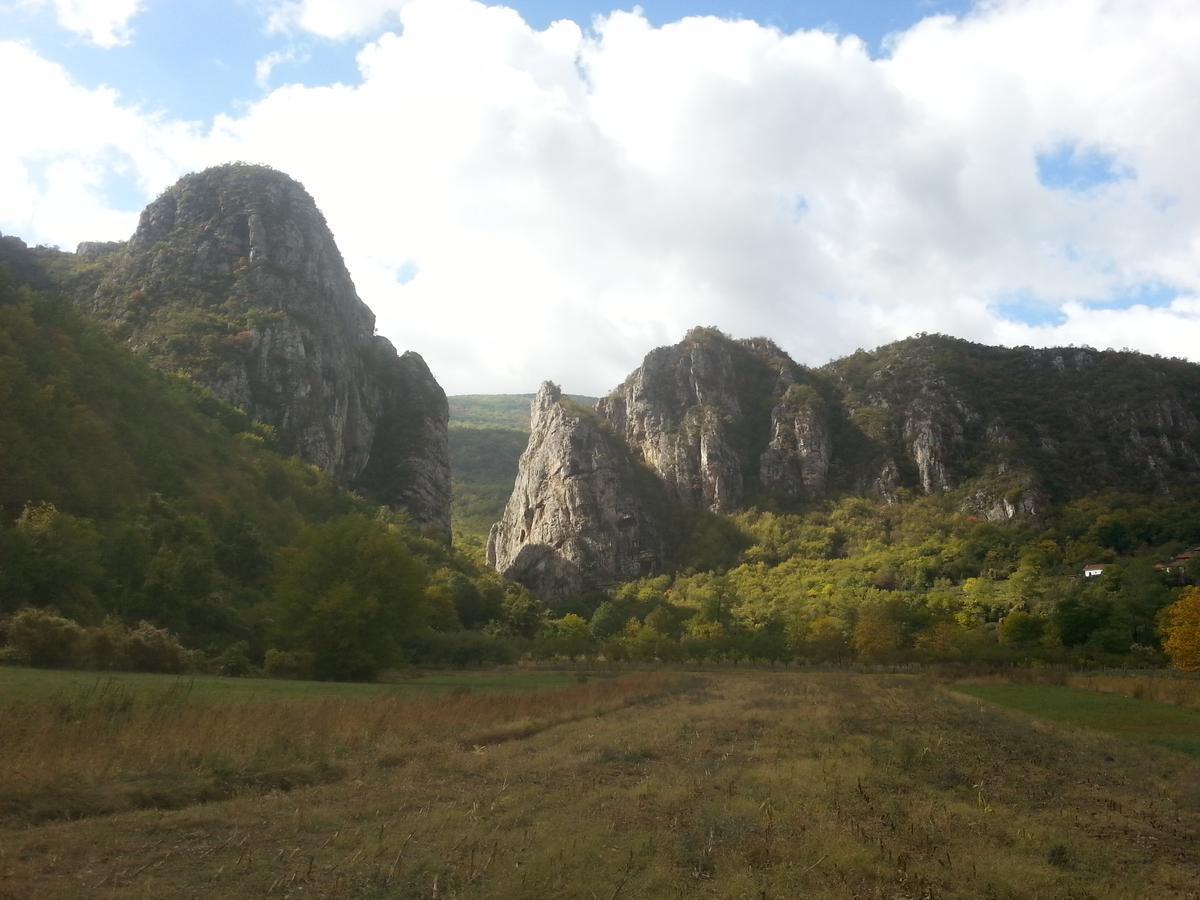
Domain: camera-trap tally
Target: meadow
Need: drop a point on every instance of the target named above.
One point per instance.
(638, 784)
(1140, 720)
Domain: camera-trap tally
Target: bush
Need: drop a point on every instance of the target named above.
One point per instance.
(234, 661)
(150, 649)
(289, 664)
(41, 637)
(45, 638)
(1021, 629)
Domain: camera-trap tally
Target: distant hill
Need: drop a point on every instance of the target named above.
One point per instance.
(488, 432)
(498, 410)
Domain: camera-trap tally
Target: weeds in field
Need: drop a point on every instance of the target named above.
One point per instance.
(757, 786)
(106, 747)
(1178, 689)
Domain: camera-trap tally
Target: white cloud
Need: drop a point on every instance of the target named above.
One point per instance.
(334, 19)
(104, 23)
(266, 66)
(1172, 330)
(569, 200)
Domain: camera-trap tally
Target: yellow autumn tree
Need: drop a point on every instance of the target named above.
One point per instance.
(876, 636)
(1181, 631)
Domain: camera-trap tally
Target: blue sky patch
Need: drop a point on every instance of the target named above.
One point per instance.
(407, 272)
(1153, 294)
(191, 60)
(122, 190)
(871, 20)
(1073, 168)
(1026, 308)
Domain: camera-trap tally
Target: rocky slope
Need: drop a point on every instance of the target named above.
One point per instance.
(726, 425)
(724, 422)
(234, 277)
(1014, 428)
(581, 513)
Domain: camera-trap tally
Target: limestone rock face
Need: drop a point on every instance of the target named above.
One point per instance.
(234, 277)
(724, 421)
(796, 461)
(581, 513)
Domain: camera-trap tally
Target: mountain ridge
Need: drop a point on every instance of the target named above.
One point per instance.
(726, 425)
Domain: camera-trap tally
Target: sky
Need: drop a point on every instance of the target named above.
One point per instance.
(549, 190)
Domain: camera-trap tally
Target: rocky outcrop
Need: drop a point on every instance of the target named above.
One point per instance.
(1018, 428)
(796, 462)
(725, 424)
(92, 250)
(234, 277)
(722, 422)
(583, 513)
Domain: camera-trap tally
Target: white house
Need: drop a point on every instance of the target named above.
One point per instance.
(1092, 570)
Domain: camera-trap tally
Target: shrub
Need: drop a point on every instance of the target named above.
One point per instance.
(150, 649)
(105, 646)
(289, 663)
(234, 661)
(459, 649)
(45, 638)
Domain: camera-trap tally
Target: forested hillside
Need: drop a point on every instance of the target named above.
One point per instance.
(931, 499)
(137, 495)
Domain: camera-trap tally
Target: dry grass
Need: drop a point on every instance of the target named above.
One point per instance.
(107, 747)
(1176, 690)
(755, 785)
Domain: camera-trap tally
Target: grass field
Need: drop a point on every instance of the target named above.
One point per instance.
(1140, 720)
(18, 684)
(731, 784)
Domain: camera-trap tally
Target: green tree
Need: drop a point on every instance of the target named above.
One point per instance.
(607, 620)
(1021, 629)
(348, 592)
(876, 635)
(523, 613)
(52, 559)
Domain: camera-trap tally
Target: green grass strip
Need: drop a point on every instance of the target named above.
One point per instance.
(1160, 724)
(23, 684)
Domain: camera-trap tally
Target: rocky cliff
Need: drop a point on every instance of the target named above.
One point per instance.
(1012, 429)
(582, 513)
(725, 425)
(724, 422)
(234, 277)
